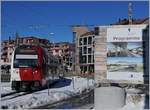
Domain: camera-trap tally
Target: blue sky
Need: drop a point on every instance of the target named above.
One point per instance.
(56, 17)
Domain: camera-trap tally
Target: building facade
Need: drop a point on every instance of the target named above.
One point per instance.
(6, 51)
(77, 32)
(86, 53)
(64, 51)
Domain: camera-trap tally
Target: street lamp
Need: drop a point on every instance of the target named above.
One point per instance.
(51, 35)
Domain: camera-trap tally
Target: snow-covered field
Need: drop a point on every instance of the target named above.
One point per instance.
(5, 88)
(62, 90)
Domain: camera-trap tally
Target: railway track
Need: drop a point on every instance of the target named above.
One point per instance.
(7, 94)
(15, 94)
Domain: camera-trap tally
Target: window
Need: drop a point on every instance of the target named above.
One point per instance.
(85, 41)
(80, 50)
(89, 40)
(80, 58)
(85, 68)
(91, 68)
(84, 59)
(81, 68)
(84, 50)
(89, 59)
(60, 61)
(89, 50)
(25, 63)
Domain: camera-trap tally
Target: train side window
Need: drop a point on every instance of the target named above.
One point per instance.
(44, 60)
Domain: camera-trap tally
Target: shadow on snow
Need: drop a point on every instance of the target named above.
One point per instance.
(62, 83)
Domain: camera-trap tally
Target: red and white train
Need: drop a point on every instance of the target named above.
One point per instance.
(32, 67)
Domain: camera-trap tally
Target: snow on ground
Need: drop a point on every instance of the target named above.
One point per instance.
(5, 88)
(62, 90)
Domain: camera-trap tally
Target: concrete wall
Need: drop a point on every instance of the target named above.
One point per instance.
(100, 54)
(109, 98)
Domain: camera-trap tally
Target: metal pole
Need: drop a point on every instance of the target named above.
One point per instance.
(73, 83)
(48, 87)
(93, 82)
(87, 82)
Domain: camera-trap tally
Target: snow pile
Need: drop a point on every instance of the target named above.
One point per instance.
(135, 102)
(62, 90)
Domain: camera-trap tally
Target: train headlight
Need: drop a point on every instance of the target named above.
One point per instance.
(35, 71)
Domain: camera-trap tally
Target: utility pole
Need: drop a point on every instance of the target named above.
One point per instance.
(130, 13)
(17, 39)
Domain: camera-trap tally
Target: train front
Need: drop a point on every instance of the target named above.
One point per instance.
(25, 68)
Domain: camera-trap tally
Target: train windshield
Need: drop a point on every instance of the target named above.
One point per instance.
(25, 63)
(25, 60)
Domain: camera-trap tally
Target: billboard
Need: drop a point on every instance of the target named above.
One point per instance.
(125, 53)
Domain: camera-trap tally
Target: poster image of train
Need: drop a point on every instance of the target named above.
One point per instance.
(125, 64)
(124, 49)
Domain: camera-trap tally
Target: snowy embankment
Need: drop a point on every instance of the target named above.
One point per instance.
(62, 90)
